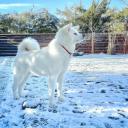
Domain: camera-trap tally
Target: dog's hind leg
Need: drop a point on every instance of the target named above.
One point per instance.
(22, 82)
(19, 80)
(15, 86)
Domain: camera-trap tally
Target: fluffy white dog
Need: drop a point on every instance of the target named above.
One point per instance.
(52, 60)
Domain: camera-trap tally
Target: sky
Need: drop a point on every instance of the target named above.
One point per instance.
(10, 6)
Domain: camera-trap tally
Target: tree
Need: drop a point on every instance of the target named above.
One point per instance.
(89, 20)
(5, 23)
(44, 22)
(28, 22)
(117, 20)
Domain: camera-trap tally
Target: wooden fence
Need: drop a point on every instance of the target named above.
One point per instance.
(105, 43)
(9, 42)
(98, 43)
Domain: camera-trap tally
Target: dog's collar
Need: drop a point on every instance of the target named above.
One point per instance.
(66, 50)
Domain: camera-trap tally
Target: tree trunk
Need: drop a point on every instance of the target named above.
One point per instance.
(93, 43)
(111, 43)
(125, 42)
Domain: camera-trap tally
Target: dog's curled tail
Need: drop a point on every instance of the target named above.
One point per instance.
(28, 44)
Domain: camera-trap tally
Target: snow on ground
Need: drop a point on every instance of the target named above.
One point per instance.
(95, 90)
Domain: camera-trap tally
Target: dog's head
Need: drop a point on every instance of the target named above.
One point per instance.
(70, 34)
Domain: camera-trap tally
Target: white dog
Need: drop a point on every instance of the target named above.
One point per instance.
(52, 60)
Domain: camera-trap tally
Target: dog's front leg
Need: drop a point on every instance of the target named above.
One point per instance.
(59, 86)
(51, 89)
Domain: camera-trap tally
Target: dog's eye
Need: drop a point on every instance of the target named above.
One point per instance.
(75, 33)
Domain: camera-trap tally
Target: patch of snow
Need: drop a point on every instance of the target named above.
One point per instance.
(95, 91)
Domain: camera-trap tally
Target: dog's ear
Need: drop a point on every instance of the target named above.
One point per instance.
(68, 27)
(76, 27)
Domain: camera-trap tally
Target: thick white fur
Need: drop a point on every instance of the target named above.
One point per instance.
(28, 44)
(52, 61)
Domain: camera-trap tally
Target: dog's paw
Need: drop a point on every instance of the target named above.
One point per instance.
(16, 97)
(61, 99)
(22, 94)
(53, 109)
